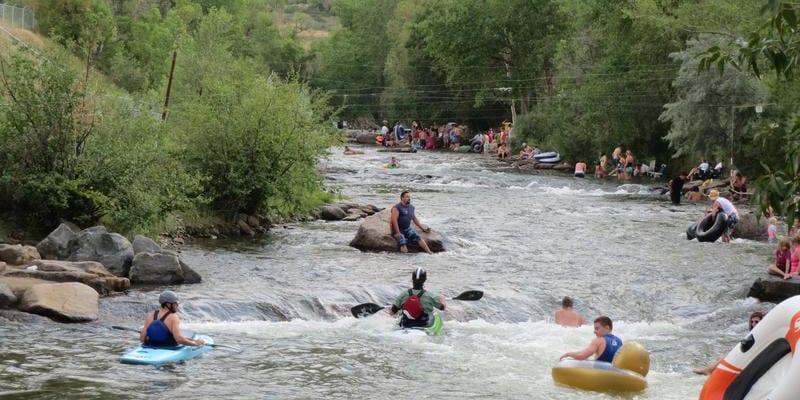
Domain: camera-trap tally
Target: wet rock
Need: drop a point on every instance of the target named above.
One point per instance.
(90, 273)
(189, 275)
(2, 267)
(64, 302)
(367, 137)
(252, 220)
(143, 244)
(749, 227)
(564, 167)
(56, 245)
(543, 166)
(161, 269)
(774, 290)
(331, 213)
(18, 254)
(399, 149)
(7, 297)
(244, 228)
(112, 250)
(373, 235)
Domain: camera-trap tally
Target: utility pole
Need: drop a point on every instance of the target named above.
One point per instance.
(169, 86)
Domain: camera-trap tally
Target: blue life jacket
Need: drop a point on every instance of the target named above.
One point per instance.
(158, 335)
(613, 344)
(405, 216)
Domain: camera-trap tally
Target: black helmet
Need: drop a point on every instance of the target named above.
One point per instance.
(419, 275)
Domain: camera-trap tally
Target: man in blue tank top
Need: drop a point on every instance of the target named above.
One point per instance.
(162, 328)
(604, 346)
(400, 224)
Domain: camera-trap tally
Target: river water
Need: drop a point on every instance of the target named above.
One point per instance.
(526, 240)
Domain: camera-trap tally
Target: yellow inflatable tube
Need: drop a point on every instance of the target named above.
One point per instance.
(626, 374)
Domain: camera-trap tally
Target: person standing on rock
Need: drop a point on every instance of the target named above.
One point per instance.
(400, 224)
(162, 328)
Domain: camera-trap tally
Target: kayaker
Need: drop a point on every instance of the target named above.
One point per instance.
(162, 328)
(604, 346)
(566, 316)
(416, 303)
(400, 224)
(724, 205)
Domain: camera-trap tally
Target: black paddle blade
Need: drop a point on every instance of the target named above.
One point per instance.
(365, 310)
(470, 295)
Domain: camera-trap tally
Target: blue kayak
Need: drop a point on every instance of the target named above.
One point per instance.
(164, 355)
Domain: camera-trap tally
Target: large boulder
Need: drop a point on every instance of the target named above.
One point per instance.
(110, 249)
(18, 254)
(56, 245)
(91, 273)
(161, 269)
(373, 235)
(64, 302)
(143, 244)
(7, 297)
(749, 227)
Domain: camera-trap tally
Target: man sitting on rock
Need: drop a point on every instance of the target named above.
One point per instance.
(400, 224)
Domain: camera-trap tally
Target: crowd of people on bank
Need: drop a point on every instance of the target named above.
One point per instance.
(451, 136)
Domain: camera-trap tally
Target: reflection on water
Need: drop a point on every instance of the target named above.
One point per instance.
(526, 240)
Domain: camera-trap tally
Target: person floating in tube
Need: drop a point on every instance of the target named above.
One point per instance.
(728, 208)
(603, 347)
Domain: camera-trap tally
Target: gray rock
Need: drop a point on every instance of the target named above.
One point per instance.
(749, 227)
(7, 298)
(156, 269)
(112, 250)
(90, 273)
(64, 302)
(373, 235)
(774, 290)
(331, 213)
(56, 245)
(144, 244)
(189, 275)
(18, 254)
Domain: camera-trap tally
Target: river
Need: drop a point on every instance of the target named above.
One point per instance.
(526, 240)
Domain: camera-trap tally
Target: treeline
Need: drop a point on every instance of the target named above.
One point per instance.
(582, 76)
(81, 136)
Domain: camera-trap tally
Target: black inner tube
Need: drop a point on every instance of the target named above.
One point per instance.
(690, 231)
(710, 228)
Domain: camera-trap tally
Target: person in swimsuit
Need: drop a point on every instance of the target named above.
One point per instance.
(162, 328)
(567, 316)
(604, 346)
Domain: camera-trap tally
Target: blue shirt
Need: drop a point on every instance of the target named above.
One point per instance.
(613, 344)
(405, 216)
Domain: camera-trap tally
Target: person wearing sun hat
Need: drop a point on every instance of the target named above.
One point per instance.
(728, 208)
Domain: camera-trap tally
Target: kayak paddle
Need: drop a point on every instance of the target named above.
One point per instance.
(367, 309)
(222, 346)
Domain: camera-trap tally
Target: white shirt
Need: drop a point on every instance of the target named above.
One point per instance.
(726, 206)
(384, 130)
(704, 166)
(718, 167)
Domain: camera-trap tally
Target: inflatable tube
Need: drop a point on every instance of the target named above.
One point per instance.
(549, 154)
(765, 364)
(690, 231)
(379, 140)
(550, 160)
(465, 148)
(710, 229)
(477, 148)
(625, 374)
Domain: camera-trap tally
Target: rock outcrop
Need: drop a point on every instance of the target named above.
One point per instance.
(7, 297)
(773, 289)
(56, 245)
(749, 227)
(373, 235)
(112, 250)
(161, 269)
(346, 211)
(64, 302)
(18, 254)
(90, 273)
